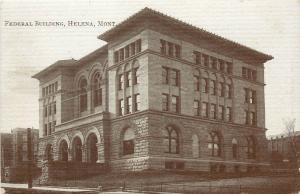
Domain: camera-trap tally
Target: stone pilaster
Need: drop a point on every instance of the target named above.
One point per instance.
(100, 149)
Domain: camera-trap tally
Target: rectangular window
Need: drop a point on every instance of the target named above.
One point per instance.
(121, 80)
(128, 79)
(56, 86)
(228, 114)
(196, 108)
(252, 99)
(177, 51)
(165, 102)
(212, 87)
(49, 128)
(175, 104)
(206, 60)
(49, 110)
(221, 112)
(53, 125)
(246, 93)
(43, 92)
(244, 72)
(135, 76)
(116, 56)
(221, 65)
(121, 107)
(197, 58)
(213, 111)
(170, 49)
(45, 130)
(205, 85)
(132, 49)
(221, 89)
(174, 77)
(121, 53)
(127, 51)
(137, 102)
(128, 105)
(138, 46)
(249, 74)
(205, 109)
(196, 83)
(54, 108)
(165, 75)
(246, 117)
(229, 68)
(45, 111)
(252, 118)
(214, 65)
(163, 47)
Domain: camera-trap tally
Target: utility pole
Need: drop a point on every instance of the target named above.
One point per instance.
(29, 157)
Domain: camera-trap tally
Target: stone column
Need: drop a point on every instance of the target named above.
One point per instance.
(84, 152)
(70, 157)
(100, 149)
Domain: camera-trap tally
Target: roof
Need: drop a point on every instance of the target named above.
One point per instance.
(60, 63)
(72, 63)
(147, 13)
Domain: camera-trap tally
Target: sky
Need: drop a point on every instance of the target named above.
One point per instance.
(272, 27)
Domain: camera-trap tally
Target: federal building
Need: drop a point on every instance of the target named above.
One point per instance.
(161, 94)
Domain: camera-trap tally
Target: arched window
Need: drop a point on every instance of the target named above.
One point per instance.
(128, 75)
(195, 146)
(228, 89)
(221, 87)
(92, 150)
(205, 83)
(251, 150)
(83, 95)
(196, 80)
(48, 153)
(97, 90)
(213, 84)
(171, 140)
(128, 141)
(234, 148)
(214, 144)
(77, 151)
(63, 151)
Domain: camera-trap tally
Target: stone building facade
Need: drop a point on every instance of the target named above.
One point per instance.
(161, 94)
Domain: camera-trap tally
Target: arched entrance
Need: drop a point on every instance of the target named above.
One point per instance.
(63, 151)
(77, 149)
(92, 150)
(48, 153)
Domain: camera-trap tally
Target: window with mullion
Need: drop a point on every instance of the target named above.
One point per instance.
(205, 85)
(175, 104)
(121, 81)
(205, 109)
(174, 77)
(196, 107)
(128, 105)
(171, 140)
(128, 79)
(165, 102)
(165, 75)
(221, 112)
(213, 108)
(196, 83)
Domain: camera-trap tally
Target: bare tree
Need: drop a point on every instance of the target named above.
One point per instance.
(293, 140)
